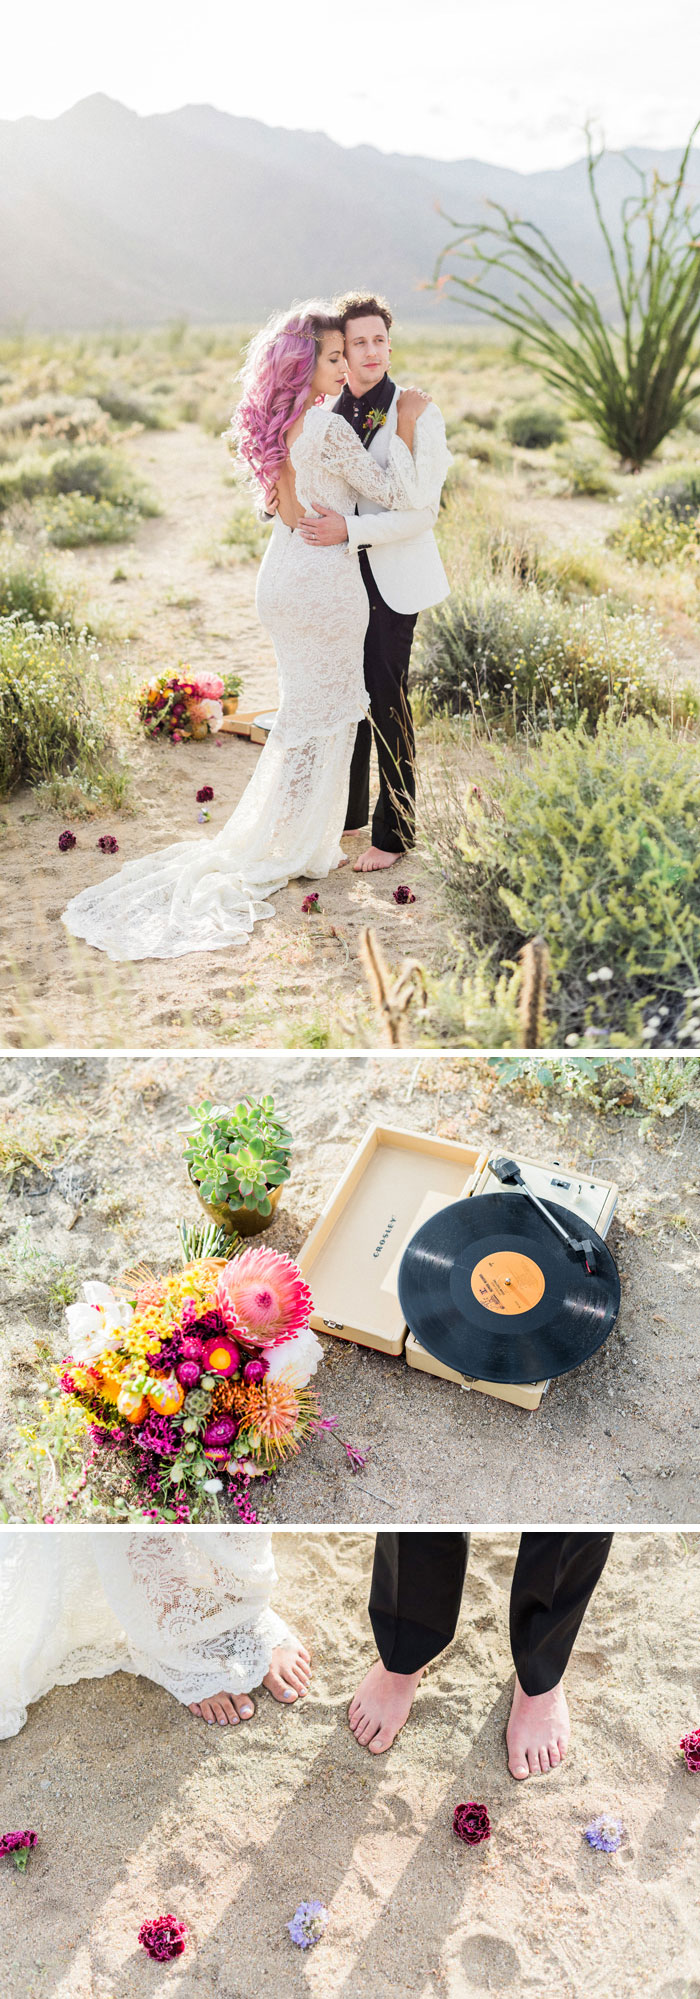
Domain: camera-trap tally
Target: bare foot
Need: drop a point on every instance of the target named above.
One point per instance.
(538, 1732)
(381, 1706)
(375, 857)
(223, 1708)
(290, 1672)
(344, 861)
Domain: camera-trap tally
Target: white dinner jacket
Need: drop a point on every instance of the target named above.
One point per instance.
(401, 548)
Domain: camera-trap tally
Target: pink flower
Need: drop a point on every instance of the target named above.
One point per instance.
(206, 710)
(163, 1937)
(66, 841)
(107, 844)
(403, 894)
(268, 1295)
(208, 686)
(690, 1745)
(311, 905)
(471, 1823)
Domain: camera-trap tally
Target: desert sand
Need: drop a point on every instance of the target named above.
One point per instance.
(296, 977)
(140, 1809)
(618, 1439)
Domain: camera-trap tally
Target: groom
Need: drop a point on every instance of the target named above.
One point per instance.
(402, 574)
(417, 1584)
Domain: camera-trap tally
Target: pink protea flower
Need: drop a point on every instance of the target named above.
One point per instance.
(209, 686)
(268, 1295)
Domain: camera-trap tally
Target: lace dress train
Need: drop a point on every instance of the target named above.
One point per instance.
(190, 1611)
(206, 894)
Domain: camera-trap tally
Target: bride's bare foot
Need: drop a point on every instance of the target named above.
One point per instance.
(381, 1706)
(375, 857)
(230, 1708)
(290, 1672)
(538, 1732)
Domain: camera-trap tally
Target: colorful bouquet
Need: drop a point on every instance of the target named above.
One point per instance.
(182, 704)
(202, 1375)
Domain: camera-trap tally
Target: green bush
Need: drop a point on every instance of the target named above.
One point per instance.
(593, 846)
(584, 470)
(124, 406)
(525, 655)
(534, 426)
(31, 590)
(53, 715)
(75, 519)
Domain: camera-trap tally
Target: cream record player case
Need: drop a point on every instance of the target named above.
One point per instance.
(395, 1181)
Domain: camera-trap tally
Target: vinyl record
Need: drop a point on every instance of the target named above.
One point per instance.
(489, 1289)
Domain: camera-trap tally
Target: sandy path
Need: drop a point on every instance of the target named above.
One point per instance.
(295, 979)
(618, 1439)
(141, 1810)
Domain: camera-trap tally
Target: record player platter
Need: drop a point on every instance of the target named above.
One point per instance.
(489, 1287)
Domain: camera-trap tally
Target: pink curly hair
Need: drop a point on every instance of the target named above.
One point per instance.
(276, 377)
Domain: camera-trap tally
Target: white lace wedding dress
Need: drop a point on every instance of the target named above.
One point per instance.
(203, 895)
(190, 1611)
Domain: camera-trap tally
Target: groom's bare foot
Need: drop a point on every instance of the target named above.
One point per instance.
(230, 1708)
(375, 857)
(290, 1672)
(538, 1732)
(381, 1706)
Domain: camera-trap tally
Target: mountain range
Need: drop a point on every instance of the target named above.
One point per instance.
(108, 217)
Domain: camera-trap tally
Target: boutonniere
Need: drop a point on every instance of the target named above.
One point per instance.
(373, 421)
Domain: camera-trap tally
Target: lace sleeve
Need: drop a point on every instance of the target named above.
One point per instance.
(393, 486)
(195, 1607)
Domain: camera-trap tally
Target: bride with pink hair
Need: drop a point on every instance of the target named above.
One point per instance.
(207, 894)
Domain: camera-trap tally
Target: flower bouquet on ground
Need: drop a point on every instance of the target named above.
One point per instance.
(198, 1378)
(182, 705)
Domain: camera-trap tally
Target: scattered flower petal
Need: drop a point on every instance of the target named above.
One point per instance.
(66, 840)
(403, 893)
(471, 1823)
(20, 1845)
(308, 1924)
(311, 905)
(163, 1937)
(205, 794)
(107, 844)
(605, 1833)
(690, 1745)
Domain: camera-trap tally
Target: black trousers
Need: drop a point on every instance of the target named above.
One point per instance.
(388, 642)
(417, 1584)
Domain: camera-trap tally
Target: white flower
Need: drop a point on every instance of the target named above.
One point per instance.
(212, 1485)
(97, 1323)
(294, 1361)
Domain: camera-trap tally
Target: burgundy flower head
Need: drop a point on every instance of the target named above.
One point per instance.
(471, 1823)
(19, 1844)
(690, 1745)
(66, 841)
(209, 1323)
(205, 794)
(188, 1373)
(163, 1937)
(310, 905)
(403, 894)
(255, 1370)
(107, 844)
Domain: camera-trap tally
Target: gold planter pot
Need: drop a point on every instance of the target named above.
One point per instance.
(238, 1221)
(230, 704)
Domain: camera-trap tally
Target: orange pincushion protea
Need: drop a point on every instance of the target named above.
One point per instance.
(272, 1413)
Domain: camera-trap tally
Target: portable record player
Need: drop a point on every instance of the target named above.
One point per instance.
(510, 1276)
(398, 1184)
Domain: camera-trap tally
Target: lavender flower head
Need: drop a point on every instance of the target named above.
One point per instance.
(605, 1833)
(308, 1924)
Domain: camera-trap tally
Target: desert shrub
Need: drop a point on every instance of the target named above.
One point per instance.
(534, 426)
(525, 655)
(53, 712)
(664, 524)
(32, 590)
(75, 519)
(125, 407)
(245, 535)
(66, 416)
(591, 845)
(584, 470)
(24, 478)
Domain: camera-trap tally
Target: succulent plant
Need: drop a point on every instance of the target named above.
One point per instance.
(237, 1156)
(232, 686)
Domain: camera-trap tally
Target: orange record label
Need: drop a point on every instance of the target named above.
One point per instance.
(507, 1282)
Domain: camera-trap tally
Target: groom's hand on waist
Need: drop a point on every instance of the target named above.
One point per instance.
(323, 528)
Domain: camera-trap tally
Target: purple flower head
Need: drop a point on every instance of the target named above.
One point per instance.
(19, 1845)
(66, 841)
(471, 1823)
(163, 1937)
(188, 1373)
(308, 1924)
(255, 1370)
(205, 794)
(107, 844)
(605, 1833)
(210, 1323)
(157, 1434)
(403, 894)
(690, 1745)
(311, 905)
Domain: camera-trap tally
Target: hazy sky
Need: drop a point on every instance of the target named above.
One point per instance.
(505, 80)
